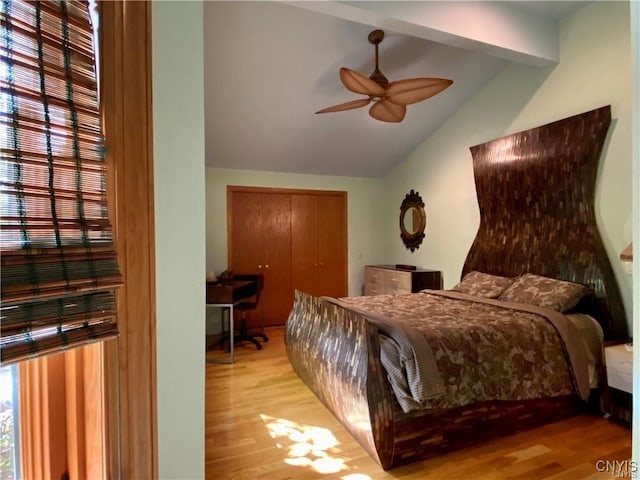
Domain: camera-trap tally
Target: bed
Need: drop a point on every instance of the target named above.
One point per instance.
(535, 192)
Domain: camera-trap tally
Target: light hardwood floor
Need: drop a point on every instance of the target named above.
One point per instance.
(263, 423)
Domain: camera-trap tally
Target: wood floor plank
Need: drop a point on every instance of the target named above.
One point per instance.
(263, 423)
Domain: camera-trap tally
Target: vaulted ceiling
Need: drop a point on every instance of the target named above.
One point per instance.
(270, 65)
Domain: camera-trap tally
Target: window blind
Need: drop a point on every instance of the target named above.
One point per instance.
(59, 266)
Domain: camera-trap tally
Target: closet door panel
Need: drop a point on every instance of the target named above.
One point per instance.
(332, 245)
(275, 243)
(244, 226)
(304, 243)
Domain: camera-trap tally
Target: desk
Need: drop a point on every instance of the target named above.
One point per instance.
(225, 296)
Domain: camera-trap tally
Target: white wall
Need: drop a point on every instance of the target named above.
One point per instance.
(178, 132)
(635, 51)
(364, 207)
(594, 70)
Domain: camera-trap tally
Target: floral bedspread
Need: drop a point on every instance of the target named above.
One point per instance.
(483, 349)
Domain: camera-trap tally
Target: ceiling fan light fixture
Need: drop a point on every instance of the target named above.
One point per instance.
(388, 96)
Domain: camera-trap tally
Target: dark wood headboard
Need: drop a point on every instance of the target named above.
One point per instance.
(536, 196)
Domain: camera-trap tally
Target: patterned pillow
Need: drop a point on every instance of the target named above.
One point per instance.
(545, 292)
(484, 285)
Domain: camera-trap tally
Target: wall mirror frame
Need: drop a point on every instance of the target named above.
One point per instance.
(413, 220)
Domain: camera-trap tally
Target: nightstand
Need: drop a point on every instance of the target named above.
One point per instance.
(617, 371)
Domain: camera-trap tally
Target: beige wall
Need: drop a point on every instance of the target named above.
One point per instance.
(178, 133)
(635, 102)
(594, 70)
(364, 204)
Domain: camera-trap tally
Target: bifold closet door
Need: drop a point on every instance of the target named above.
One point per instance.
(332, 245)
(259, 239)
(319, 243)
(304, 244)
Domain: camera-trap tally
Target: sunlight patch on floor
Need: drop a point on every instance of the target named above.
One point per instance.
(309, 446)
(528, 453)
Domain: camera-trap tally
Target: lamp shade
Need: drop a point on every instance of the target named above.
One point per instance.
(627, 254)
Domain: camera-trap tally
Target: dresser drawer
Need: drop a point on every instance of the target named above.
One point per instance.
(387, 279)
(397, 282)
(373, 281)
(372, 289)
(374, 276)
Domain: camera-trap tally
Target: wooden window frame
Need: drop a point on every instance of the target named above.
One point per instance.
(61, 427)
(125, 71)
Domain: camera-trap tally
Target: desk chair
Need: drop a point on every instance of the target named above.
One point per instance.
(245, 306)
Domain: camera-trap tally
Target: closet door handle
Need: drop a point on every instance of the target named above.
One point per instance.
(266, 266)
(315, 264)
(321, 264)
(259, 266)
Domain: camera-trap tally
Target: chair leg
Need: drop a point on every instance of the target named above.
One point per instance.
(263, 336)
(244, 335)
(243, 326)
(255, 342)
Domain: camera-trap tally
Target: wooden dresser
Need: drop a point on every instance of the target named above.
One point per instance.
(385, 279)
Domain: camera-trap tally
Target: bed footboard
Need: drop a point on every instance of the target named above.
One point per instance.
(336, 354)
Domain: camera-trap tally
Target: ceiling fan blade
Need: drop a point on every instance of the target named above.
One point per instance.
(346, 106)
(386, 111)
(413, 90)
(358, 83)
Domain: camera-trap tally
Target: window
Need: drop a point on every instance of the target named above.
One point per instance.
(9, 467)
(59, 265)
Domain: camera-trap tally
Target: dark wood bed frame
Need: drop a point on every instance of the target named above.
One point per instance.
(536, 197)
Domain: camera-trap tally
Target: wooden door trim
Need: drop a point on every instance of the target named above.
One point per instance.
(290, 191)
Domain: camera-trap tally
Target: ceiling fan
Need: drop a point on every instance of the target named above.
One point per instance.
(390, 98)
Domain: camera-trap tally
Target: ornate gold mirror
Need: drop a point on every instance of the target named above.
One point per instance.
(413, 220)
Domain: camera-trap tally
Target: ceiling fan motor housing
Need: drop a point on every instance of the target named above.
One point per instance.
(375, 38)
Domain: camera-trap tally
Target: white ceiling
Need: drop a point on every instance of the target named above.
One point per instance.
(270, 65)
